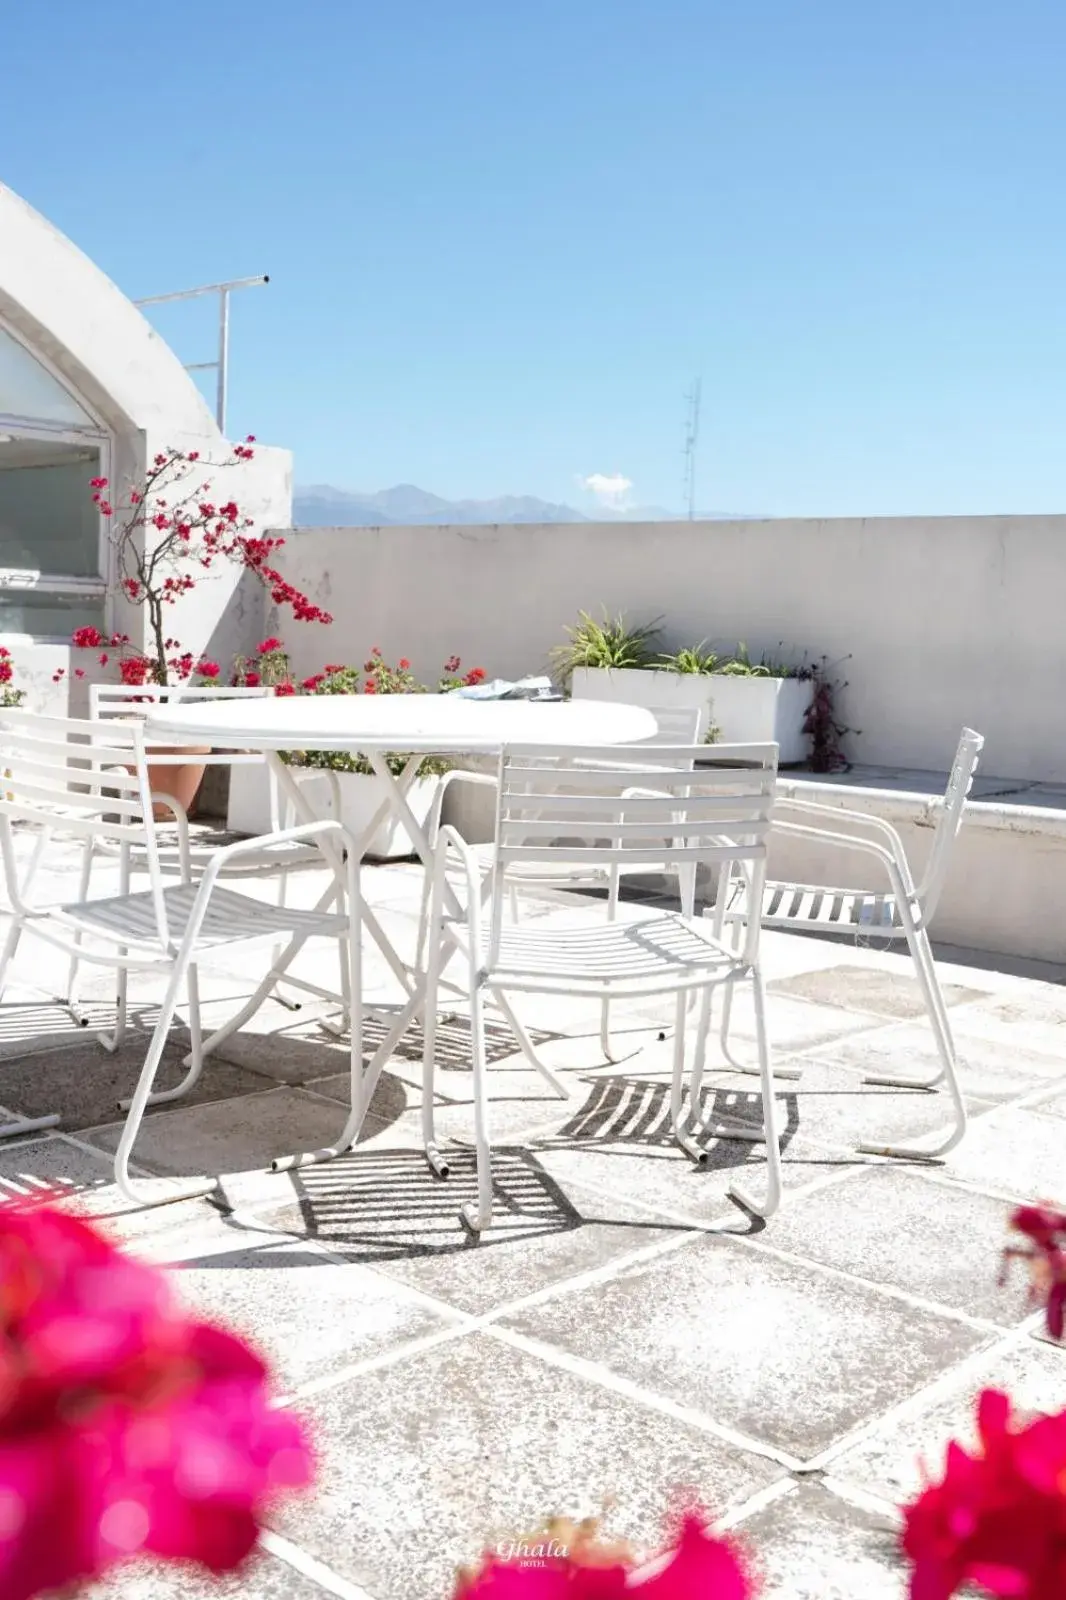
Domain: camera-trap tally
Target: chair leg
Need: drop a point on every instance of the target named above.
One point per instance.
(112, 1041)
(769, 1115)
(925, 968)
(479, 1217)
(195, 1056)
(76, 1013)
(678, 1116)
(142, 1095)
(11, 944)
(529, 1049)
(438, 1164)
(938, 1021)
(283, 890)
(786, 1074)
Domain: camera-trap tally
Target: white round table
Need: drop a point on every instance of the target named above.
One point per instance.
(426, 724)
(376, 726)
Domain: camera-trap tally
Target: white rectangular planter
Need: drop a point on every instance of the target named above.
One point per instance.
(249, 806)
(745, 710)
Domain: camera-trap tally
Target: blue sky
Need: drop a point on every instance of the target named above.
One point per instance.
(504, 235)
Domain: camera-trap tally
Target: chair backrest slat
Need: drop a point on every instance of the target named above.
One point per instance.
(949, 821)
(571, 807)
(68, 777)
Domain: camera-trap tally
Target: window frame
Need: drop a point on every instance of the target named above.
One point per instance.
(95, 436)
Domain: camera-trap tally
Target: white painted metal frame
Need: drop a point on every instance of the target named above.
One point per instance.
(674, 726)
(900, 911)
(711, 815)
(119, 703)
(68, 777)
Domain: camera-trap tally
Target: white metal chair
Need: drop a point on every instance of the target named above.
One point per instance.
(898, 911)
(119, 704)
(693, 816)
(675, 727)
(69, 778)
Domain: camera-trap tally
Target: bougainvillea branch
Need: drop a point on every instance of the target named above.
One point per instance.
(166, 534)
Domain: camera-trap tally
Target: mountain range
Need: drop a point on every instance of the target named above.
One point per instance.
(319, 505)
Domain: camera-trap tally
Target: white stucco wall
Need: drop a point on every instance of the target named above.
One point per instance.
(948, 620)
(73, 315)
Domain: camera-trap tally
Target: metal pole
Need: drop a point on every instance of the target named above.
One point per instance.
(223, 359)
(222, 363)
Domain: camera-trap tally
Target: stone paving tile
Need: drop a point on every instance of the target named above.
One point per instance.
(230, 1136)
(32, 1021)
(889, 994)
(637, 1159)
(1054, 1105)
(1032, 1020)
(519, 1101)
(776, 1349)
(831, 1105)
(794, 1023)
(811, 1545)
(385, 1208)
(83, 1084)
(82, 1181)
(889, 1462)
(985, 1068)
(1018, 1151)
(428, 1460)
(894, 1226)
(309, 1315)
(262, 1577)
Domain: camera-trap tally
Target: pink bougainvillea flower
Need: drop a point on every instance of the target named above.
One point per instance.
(998, 1518)
(1043, 1227)
(125, 1426)
(569, 1561)
(267, 645)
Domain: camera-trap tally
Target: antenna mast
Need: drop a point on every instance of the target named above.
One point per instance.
(692, 433)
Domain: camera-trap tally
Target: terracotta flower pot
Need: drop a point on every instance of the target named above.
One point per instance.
(180, 779)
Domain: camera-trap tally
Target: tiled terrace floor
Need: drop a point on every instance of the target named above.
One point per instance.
(624, 1329)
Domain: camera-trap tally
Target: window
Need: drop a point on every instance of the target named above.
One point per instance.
(51, 549)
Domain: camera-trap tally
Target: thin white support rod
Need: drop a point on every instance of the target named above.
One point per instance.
(221, 364)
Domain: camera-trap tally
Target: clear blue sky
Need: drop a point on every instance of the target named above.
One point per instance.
(503, 235)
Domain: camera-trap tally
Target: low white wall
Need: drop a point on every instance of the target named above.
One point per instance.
(947, 620)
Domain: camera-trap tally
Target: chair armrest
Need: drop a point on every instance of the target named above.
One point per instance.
(436, 810)
(859, 819)
(842, 841)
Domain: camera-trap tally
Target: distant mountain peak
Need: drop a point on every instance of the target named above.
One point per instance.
(320, 505)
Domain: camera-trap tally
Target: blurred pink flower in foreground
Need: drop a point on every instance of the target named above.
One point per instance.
(125, 1426)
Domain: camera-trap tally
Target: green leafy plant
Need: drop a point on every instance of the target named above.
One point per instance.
(610, 643)
(692, 660)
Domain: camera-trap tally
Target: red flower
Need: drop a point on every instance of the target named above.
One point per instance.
(104, 658)
(98, 483)
(312, 683)
(251, 680)
(375, 650)
(285, 688)
(208, 669)
(268, 645)
(475, 675)
(404, 664)
(125, 1426)
(1044, 1229)
(87, 638)
(134, 670)
(132, 587)
(7, 671)
(370, 687)
(998, 1519)
(452, 664)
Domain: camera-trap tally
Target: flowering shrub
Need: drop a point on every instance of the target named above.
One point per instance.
(126, 1427)
(164, 531)
(9, 694)
(270, 665)
(564, 1561)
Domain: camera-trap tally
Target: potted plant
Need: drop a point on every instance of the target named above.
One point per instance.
(747, 702)
(165, 536)
(350, 777)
